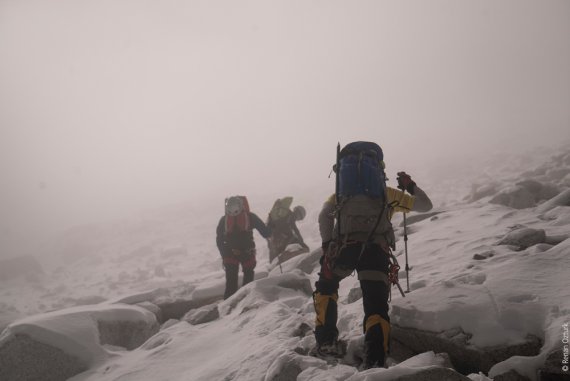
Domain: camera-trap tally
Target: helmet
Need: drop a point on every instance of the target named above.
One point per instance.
(234, 206)
(299, 213)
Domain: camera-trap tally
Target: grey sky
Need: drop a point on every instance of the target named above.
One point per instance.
(107, 107)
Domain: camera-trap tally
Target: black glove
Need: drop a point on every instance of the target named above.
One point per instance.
(325, 245)
(406, 183)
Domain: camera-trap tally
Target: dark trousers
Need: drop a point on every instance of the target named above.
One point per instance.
(231, 265)
(372, 265)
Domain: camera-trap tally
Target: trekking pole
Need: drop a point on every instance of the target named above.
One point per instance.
(406, 251)
(279, 261)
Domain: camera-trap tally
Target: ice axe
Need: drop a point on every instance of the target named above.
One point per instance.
(279, 261)
(405, 235)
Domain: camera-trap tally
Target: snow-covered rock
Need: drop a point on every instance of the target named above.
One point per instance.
(463, 299)
(152, 308)
(202, 315)
(525, 194)
(60, 344)
(524, 238)
(25, 358)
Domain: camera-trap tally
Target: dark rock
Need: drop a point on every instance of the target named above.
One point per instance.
(175, 309)
(552, 368)
(525, 194)
(302, 330)
(126, 334)
(434, 374)
(482, 256)
(540, 190)
(511, 375)
(466, 359)
(23, 358)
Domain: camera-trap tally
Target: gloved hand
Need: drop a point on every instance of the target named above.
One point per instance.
(325, 245)
(405, 182)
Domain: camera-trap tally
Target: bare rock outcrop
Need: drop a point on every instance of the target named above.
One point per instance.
(23, 358)
(465, 358)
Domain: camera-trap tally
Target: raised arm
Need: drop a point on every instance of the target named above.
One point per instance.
(256, 223)
(422, 203)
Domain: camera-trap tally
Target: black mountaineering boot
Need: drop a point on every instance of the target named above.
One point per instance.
(374, 348)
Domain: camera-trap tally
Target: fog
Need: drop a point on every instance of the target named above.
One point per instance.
(111, 107)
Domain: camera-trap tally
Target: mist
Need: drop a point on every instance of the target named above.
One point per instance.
(112, 107)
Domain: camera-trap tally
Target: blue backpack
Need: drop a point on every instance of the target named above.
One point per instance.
(363, 213)
(361, 170)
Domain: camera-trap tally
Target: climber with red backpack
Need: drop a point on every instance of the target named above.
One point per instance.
(357, 235)
(234, 238)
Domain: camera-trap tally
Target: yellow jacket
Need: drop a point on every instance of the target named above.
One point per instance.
(397, 199)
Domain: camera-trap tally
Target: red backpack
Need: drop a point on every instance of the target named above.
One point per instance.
(237, 214)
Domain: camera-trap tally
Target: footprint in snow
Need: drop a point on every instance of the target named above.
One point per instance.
(474, 279)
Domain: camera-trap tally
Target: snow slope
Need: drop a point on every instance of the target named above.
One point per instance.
(461, 278)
